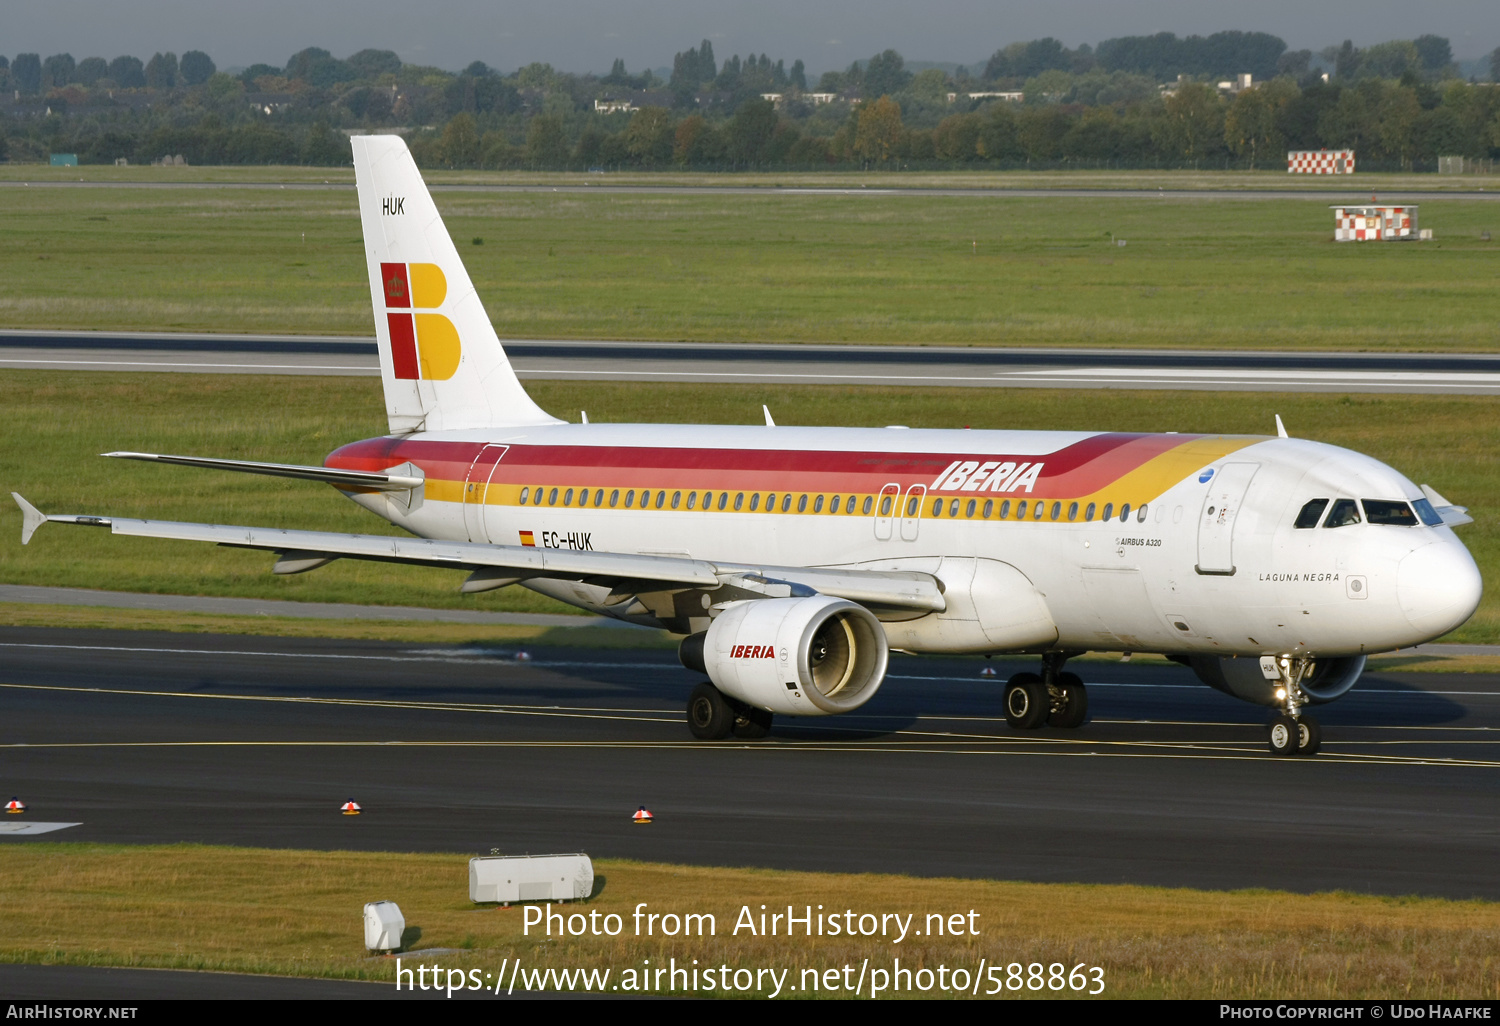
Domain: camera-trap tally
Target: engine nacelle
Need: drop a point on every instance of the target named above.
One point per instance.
(813, 656)
(1242, 678)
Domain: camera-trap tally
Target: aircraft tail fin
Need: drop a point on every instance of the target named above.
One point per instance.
(440, 361)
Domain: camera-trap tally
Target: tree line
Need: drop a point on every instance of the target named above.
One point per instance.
(1142, 101)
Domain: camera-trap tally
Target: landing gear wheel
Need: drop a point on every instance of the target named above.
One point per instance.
(1282, 735)
(1026, 701)
(751, 724)
(709, 714)
(1309, 736)
(1075, 703)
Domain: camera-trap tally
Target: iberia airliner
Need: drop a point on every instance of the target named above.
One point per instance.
(793, 559)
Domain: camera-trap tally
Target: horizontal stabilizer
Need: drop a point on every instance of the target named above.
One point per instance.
(378, 481)
(31, 518)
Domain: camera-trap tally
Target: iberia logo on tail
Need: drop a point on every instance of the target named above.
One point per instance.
(424, 345)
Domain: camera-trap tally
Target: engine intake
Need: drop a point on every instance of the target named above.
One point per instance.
(1329, 679)
(814, 656)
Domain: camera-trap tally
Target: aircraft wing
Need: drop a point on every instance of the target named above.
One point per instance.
(304, 550)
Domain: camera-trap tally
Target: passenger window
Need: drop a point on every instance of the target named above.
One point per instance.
(676, 498)
(786, 502)
(552, 497)
(771, 503)
(568, 497)
(953, 508)
(661, 499)
(1005, 510)
(818, 505)
(1386, 511)
(1056, 510)
(849, 506)
(911, 506)
(1037, 510)
(1427, 513)
(1124, 512)
(630, 498)
(937, 507)
(1109, 511)
(583, 496)
(1140, 514)
(885, 505)
(693, 500)
(1344, 513)
(969, 509)
(833, 504)
(989, 507)
(525, 492)
(1309, 514)
(614, 498)
(723, 499)
(802, 504)
(1021, 510)
(1088, 513)
(754, 502)
(739, 500)
(598, 496)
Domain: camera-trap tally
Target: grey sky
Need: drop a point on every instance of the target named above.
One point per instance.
(586, 35)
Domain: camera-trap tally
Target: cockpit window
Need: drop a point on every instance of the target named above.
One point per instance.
(1344, 513)
(1426, 512)
(1308, 517)
(1387, 511)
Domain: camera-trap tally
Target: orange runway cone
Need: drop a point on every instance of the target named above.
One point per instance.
(350, 808)
(988, 671)
(15, 805)
(642, 815)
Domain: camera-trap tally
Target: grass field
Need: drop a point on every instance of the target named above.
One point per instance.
(56, 423)
(297, 913)
(993, 270)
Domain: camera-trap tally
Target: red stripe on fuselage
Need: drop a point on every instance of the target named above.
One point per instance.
(1077, 469)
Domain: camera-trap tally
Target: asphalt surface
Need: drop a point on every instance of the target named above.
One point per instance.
(144, 738)
(728, 362)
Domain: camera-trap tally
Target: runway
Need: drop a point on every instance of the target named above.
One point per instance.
(141, 737)
(746, 363)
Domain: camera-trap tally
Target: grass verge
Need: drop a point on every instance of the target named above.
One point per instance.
(297, 913)
(780, 266)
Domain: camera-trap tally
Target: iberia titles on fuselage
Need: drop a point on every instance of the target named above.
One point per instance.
(794, 558)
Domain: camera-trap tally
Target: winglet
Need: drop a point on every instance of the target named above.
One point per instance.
(1280, 428)
(1427, 490)
(31, 518)
(767, 411)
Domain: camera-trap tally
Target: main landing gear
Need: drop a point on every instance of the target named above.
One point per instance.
(714, 716)
(1291, 731)
(1052, 697)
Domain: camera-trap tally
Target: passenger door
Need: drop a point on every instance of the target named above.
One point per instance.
(885, 511)
(1221, 508)
(476, 485)
(911, 511)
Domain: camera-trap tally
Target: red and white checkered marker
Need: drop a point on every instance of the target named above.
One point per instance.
(16, 805)
(350, 808)
(642, 815)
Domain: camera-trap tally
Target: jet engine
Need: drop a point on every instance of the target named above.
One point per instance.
(813, 656)
(1328, 678)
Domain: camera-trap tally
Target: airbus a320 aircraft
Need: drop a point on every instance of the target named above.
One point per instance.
(794, 559)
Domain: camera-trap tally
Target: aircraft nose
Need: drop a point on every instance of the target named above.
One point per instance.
(1438, 586)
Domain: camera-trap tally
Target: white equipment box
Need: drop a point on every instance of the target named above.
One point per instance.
(508, 878)
(384, 925)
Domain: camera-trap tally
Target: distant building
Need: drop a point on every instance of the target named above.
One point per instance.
(64, 160)
(1012, 96)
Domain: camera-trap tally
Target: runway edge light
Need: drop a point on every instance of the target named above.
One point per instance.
(642, 815)
(350, 808)
(15, 805)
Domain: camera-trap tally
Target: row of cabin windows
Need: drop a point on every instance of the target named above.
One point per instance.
(1344, 512)
(835, 504)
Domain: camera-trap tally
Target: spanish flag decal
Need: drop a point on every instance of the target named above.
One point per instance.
(528, 539)
(424, 344)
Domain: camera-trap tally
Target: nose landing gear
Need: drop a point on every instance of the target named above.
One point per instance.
(1053, 697)
(1291, 732)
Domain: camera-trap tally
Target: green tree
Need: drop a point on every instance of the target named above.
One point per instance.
(57, 71)
(161, 71)
(1193, 121)
(1400, 114)
(957, 137)
(880, 134)
(886, 74)
(460, 145)
(128, 72)
(649, 136)
(196, 67)
(1348, 122)
(747, 137)
(1250, 125)
(371, 64)
(546, 145)
(90, 70)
